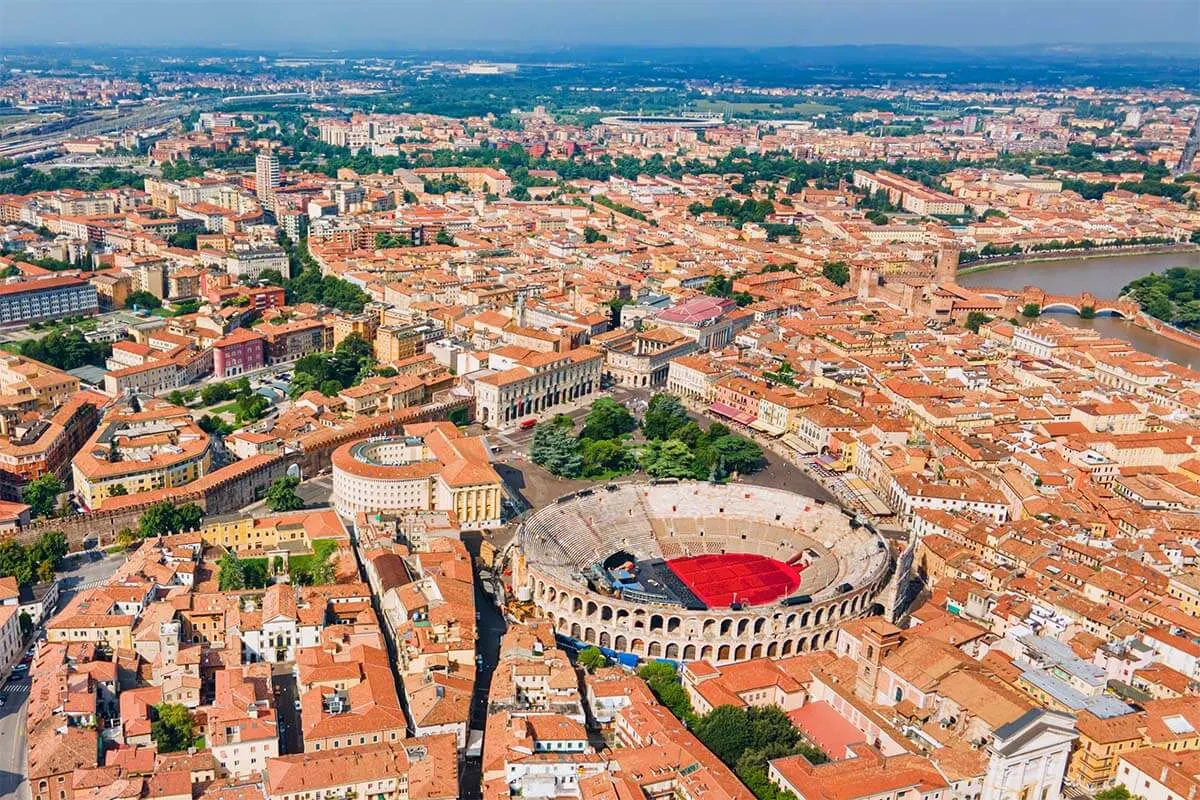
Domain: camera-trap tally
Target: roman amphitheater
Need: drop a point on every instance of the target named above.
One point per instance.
(688, 570)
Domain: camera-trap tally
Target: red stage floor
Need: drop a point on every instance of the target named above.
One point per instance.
(718, 580)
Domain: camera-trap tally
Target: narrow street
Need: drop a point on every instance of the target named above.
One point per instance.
(490, 627)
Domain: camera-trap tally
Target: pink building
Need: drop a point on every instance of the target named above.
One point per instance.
(241, 351)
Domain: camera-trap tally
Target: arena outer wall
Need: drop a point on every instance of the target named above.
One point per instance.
(720, 635)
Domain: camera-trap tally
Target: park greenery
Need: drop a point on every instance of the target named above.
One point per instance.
(37, 562)
(738, 212)
(674, 446)
(66, 349)
(310, 286)
(1172, 296)
(247, 406)
(330, 372)
(600, 451)
(745, 739)
(313, 569)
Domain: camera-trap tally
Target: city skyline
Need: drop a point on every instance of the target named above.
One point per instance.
(422, 24)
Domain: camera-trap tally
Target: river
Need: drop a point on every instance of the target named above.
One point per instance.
(1103, 277)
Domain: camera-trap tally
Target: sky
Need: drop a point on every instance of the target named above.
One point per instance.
(417, 24)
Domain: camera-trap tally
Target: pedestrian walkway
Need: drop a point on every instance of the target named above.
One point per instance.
(20, 687)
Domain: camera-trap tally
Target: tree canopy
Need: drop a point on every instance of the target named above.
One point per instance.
(281, 496)
(173, 729)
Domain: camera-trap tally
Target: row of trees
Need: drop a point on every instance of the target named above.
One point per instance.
(66, 349)
(162, 519)
(37, 562)
(310, 286)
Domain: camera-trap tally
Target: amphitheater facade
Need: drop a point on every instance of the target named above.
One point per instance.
(845, 568)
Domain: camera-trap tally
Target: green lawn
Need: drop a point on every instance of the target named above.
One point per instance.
(322, 549)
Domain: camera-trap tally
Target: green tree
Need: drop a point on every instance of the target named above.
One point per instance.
(323, 572)
(604, 457)
(42, 494)
(607, 419)
(281, 496)
(836, 272)
(1118, 792)
(232, 573)
(45, 571)
(554, 450)
(66, 349)
(591, 659)
(725, 732)
(663, 681)
(118, 491)
(172, 728)
(330, 388)
(1031, 310)
(142, 299)
(165, 517)
(591, 235)
(669, 459)
(664, 415)
(26, 623)
(444, 237)
(974, 320)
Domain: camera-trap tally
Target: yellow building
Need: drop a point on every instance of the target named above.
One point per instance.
(133, 452)
(259, 534)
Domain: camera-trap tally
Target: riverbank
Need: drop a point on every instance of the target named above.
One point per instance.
(985, 265)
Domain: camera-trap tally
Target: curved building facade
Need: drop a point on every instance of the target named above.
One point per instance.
(431, 467)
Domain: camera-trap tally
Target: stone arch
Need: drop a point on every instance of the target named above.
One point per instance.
(707, 628)
(790, 622)
(801, 645)
(756, 651)
(689, 652)
(820, 615)
(759, 624)
(592, 608)
(605, 639)
(672, 651)
(742, 625)
(726, 627)
(828, 637)
(723, 653)
(606, 613)
(620, 643)
(706, 652)
(576, 630)
(637, 646)
(739, 653)
(673, 624)
(577, 605)
(787, 647)
(772, 649)
(842, 611)
(815, 642)
(655, 649)
(804, 619)
(656, 622)
(589, 635)
(623, 617)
